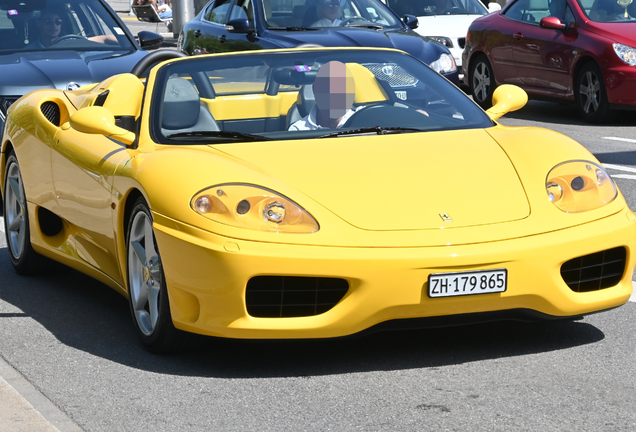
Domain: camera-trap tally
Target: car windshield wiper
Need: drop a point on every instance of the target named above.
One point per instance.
(368, 25)
(292, 28)
(219, 134)
(378, 130)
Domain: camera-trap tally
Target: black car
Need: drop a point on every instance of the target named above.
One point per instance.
(63, 44)
(239, 25)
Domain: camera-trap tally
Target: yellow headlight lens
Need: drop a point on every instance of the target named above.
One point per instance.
(253, 207)
(578, 186)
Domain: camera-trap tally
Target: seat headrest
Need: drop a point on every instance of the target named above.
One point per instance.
(181, 104)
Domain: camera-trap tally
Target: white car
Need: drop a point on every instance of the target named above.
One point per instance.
(446, 21)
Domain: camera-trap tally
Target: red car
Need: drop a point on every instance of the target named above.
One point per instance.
(581, 51)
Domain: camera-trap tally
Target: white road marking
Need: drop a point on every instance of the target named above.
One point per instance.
(629, 140)
(619, 168)
(625, 176)
(1, 224)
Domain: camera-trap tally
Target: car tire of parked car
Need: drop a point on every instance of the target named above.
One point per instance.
(591, 96)
(147, 291)
(24, 259)
(482, 81)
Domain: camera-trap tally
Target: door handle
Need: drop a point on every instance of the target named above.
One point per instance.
(197, 33)
(222, 39)
(517, 36)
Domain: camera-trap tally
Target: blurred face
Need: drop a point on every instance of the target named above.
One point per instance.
(50, 26)
(334, 89)
(331, 11)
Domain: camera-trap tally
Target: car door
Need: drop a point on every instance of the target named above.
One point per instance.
(499, 42)
(544, 56)
(82, 174)
(211, 34)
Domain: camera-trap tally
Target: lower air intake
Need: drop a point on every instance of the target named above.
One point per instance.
(596, 271)
(292, 296)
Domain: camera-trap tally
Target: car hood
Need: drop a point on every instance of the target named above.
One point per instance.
(621, 32)
(399, 182)
(26, 71)
(409, 41)
(454, 26)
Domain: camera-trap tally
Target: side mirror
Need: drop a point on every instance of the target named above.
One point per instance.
(551, 23)
(411, 21)
(98, 120)
(149, 40)
(493, 7)
(507, 98)
(239, 25)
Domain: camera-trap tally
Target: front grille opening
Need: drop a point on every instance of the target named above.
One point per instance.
(596, 271)
(51, 111)
(292, 296)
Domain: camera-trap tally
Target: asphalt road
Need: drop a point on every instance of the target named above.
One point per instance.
(69, 343)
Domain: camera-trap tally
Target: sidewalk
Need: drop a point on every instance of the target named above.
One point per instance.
(25, 409)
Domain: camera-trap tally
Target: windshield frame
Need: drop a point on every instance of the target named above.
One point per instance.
(206, 66)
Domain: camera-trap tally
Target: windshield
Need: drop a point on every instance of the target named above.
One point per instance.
(437, 7)
(79, 25)
(283, 14)
(609, 10)
(304, 95)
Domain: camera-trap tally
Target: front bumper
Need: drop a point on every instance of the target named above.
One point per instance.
(620, 82)
(207, 274)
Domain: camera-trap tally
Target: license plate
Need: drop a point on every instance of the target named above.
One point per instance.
(467, 283)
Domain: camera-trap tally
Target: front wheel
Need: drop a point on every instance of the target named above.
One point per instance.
(147, 290)
(591, 96)
(482, 82)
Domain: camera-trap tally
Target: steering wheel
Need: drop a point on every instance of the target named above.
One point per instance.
(351, 20)
(67, 37)
(146, 63)
(386, 115)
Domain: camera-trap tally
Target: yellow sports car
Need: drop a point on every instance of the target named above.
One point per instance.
(309, 193)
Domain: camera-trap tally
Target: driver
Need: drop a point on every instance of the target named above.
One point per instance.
(329, 13)
(334, 90)
(50, 24)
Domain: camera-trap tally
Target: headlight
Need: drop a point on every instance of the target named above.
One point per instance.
(625, 53)
(578, 186)
(444, 64)
(443, 40)
(252, 207)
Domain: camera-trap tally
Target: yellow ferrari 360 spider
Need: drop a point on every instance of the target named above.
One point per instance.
(309, 193)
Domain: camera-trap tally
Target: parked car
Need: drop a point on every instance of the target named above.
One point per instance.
(237, 25)
(63, 44)
(446, 21)
(281, 194)
(581, 51)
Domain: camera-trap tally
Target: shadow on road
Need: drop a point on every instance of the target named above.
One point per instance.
(89, 316)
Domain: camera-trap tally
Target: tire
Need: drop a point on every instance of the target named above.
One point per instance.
(591, 96)
(24, 259)
(482, 81)
(147, 291)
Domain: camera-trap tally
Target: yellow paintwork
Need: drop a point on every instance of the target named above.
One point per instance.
(384, 238)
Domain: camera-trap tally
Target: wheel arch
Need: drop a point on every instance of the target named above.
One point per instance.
(124, 221)
(7, 149)
(579, 65)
